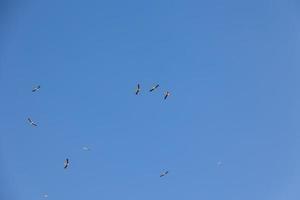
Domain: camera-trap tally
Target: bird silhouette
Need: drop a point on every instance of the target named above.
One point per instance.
(138, 89)
(167, 94)
(36, 88)
(164, 173)
(31, 122)
(66, 163)
(154, 88)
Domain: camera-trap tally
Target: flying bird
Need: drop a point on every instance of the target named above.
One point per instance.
(85, 148)
(36, 88)
(66, 163)
(154, 88)
(167, 94)
(138, 89)
(31, 122)
(45, 195)
(164, 173)
(220, 163)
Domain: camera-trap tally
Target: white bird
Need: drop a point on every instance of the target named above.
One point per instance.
(85, 148)
(66, 163)
(31, 122)
(164, 173)
(36, 88)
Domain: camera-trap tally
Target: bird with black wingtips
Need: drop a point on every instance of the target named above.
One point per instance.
(31, 122)
(138, 89)
(66, 163)
(36, 88)
(167, 94)
(154, 88)
(164, 173)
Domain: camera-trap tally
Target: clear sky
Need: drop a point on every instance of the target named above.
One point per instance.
(232, 68)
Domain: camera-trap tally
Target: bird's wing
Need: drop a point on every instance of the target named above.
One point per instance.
(34, 124)
(29, 120)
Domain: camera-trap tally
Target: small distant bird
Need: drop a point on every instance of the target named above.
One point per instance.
(219, 163)
(85, 148)
(31, 122)
(164, 173)
(45, 195)
(167, 94)
(138, 89)
(154, 88)
(66, 163)
(36, 88)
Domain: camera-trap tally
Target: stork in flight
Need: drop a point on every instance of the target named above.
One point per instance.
(66, 163)
(138, 89)
(154, 88)
(167, 94)
(164, 173)
(31, 122)
(36, 88)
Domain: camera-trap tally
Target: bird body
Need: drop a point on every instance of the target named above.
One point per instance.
(167, 94)
(164, 173)
(154, 88)
(66, 163)
(138, 89)
(31, 122)
(85, 148)
(36, 88)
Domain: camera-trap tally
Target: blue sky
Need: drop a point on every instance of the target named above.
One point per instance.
(232, 68)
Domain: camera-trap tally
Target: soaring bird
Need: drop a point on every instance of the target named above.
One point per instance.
(138, 89)
(66, 163)
(86, 148)
(154, 88)
(219, 163)
(36, 88)
(31, 122)
(167, 94)
(164, 173)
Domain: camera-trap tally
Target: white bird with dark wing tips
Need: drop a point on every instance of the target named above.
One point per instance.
(138, 89)
(164, 173)
(167, 94)
(31, 122)
(66, 163)
(36, 88)
(154, 88)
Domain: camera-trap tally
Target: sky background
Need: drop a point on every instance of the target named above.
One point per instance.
(232, 68)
